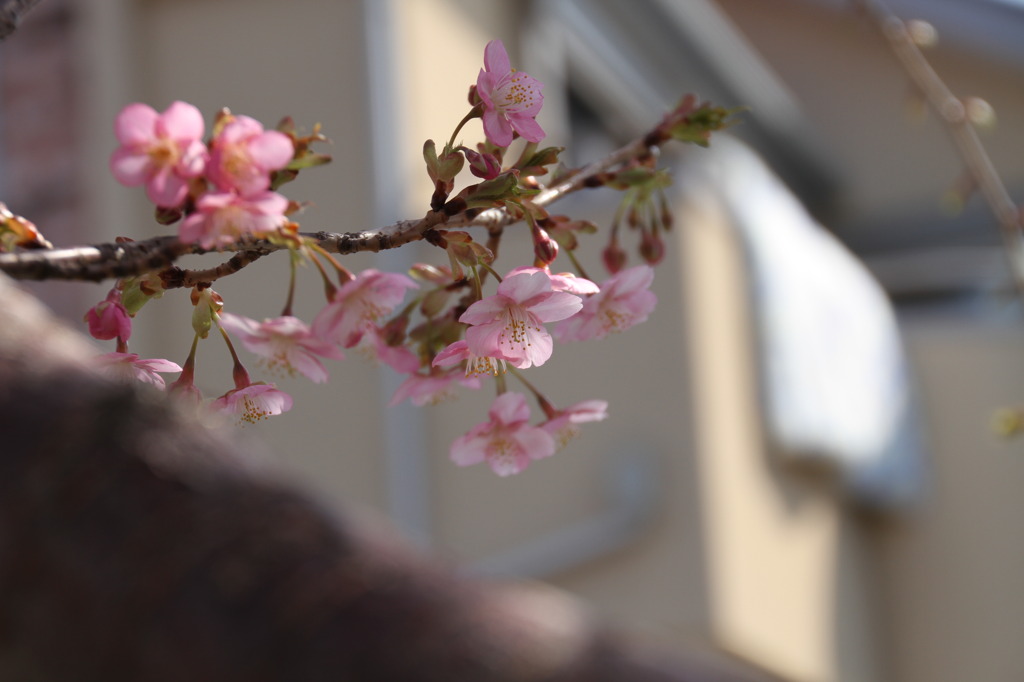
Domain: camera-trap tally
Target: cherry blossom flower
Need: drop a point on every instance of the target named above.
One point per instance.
(511, 98)
(129, 367)
(624, 301)
(222, 217)
(563, 425)
(507, 441)
(243, 155)
(431, 389)
(109, 319)
(509, 324)
(476, 365)
(359, 303)
(253, 403)
(161, 151)
(284, 343)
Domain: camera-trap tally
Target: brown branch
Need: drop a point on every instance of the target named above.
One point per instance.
(106, 261)
(952, 112)
(11, 13)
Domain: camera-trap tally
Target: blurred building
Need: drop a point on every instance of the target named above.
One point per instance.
(690, 516)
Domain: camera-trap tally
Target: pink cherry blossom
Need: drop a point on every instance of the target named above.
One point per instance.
(507, 441)
(243, 155)
(476, 365)
(359, 303)
(431, 389)
(375, 347)
(563, 425)
(284, 343)
(511, 98)
(109, 319)
(510, 325)
(221, 218)
(253, 403)
(162, 151)
(129, 367)
(624, 301)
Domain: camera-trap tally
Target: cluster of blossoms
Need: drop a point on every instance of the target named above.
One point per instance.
(223, 185)
(448, 334)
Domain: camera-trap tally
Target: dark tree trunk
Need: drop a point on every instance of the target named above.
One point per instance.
(136, 545)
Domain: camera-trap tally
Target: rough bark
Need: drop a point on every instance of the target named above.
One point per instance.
(136, 544)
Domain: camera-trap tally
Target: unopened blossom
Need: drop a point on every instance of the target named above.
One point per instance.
(507, 441)
(625, 300)
(431, 389)
(130, 367)
(221, 218)
(284, 343)
(563, 426)
(243, 155)
(359, 303)
(510, 324)
(253, 403)
(511, 99)
(161, 151)
(109, 319)
(476, 365)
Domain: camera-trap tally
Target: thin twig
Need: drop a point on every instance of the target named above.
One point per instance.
(952, 112)
(11, 13)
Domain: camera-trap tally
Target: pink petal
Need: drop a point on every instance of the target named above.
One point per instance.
(485, 310)
(496, 58)
(537, 350)
(558, 305)
(536, 442)
(509, 408)
(135, 125)
(526, 126)
(166, 189)
(497, 128)
(272, 150)
(129, 167)
(469, 449)
(181, 121)
(523, 286)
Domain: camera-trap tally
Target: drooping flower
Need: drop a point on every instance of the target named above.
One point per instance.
(284, 343)
(625, 300)
(243, 155)
(476, 365)
(510, 324)
(221, 218)
(511, 99)
(507, 441)
(358, 304)
(253, 403)
(431, 389)
(109, 319)
(563, 425)
(162, 151)
(129, 367)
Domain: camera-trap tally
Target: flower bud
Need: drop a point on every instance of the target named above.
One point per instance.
(544, 247)
(652, 248)
(614, 257)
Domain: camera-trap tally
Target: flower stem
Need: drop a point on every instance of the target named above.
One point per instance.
(576, 264)
(238, 372)
(287, 311)
(546, 406)
(473, 113)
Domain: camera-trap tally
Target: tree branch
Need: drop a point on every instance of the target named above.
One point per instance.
(952, 112)
(106, 261)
